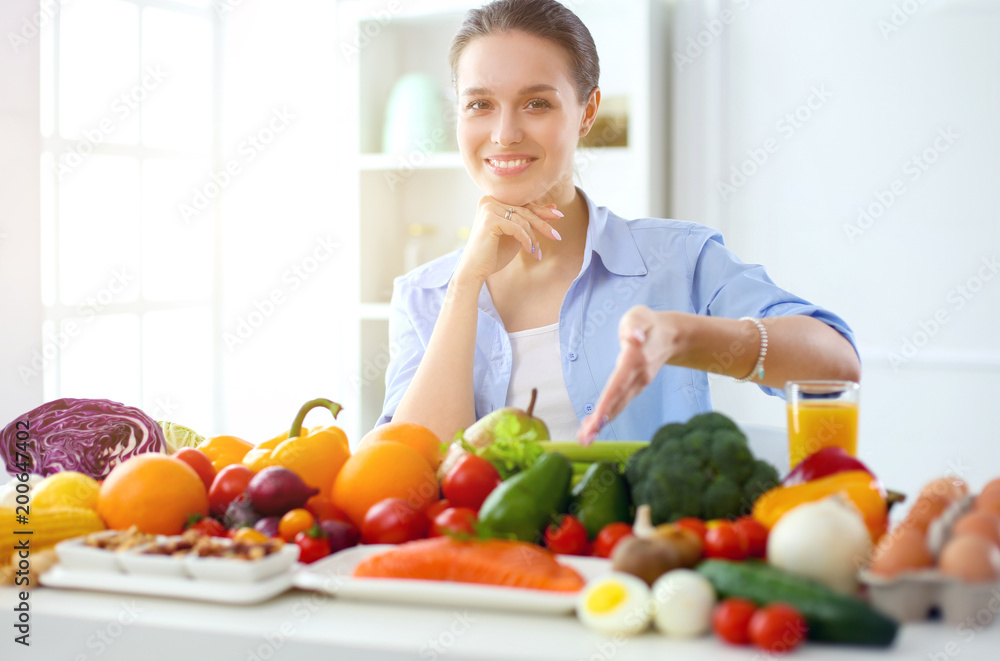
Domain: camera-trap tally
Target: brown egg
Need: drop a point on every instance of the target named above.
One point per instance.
(989, 497)
(951, 488)
(902, 550)
(926, 508)
(970, 558)
(984, 523)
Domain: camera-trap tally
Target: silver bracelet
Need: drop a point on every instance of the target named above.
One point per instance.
(758, 369)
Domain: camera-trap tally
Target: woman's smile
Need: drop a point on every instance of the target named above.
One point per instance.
(509, 165)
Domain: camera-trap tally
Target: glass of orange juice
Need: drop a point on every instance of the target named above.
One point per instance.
(821, 414)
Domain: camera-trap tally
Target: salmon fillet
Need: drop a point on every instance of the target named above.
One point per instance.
(489, 562)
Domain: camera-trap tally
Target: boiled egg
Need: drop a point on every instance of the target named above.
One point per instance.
(615, 604)
(970, 558)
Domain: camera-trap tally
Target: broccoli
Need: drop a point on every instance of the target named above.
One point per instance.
(702, 468)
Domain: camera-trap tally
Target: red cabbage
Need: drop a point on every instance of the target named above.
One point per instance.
(90, 436)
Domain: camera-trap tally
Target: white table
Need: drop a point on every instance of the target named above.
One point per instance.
(80, 626)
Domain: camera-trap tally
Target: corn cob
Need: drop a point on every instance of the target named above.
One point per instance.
(47, 527)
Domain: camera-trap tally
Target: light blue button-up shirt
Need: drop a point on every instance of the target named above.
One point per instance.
(664, 264)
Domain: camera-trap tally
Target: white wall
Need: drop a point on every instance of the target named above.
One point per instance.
(20, 272)
(885, 87)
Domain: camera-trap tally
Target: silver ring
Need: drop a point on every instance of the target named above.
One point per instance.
(508, 214)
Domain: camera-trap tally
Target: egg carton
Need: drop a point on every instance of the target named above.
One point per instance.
(912, 596)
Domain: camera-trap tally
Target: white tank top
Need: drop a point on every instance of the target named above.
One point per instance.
(536, 363)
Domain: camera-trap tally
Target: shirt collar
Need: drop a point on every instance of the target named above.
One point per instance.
(607, 235)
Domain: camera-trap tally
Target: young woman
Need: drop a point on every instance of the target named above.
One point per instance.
(550, 286)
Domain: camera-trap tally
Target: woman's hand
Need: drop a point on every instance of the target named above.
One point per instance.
(648, 341)
(497, 236)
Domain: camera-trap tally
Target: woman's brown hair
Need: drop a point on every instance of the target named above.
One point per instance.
(542, 18)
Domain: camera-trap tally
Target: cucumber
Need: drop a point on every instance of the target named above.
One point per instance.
(831, 616)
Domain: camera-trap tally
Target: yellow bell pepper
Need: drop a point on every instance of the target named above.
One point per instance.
(225, 450)
(260, 457)
(858, 486)
(315, 456)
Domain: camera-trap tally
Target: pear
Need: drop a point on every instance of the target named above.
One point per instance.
(502, 423)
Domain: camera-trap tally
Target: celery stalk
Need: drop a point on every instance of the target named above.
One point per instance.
(617, 451)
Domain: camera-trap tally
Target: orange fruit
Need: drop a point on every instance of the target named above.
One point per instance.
(153, 492)
(418, 437)
(383, 470)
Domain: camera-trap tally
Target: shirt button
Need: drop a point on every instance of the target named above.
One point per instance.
(590, 408)
(572, 356)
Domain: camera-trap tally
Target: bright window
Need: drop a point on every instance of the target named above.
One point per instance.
(129, 126)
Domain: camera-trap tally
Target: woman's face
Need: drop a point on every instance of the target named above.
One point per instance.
(518, 117)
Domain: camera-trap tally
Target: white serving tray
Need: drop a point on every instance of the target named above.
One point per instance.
(333, 575)
(223, 592)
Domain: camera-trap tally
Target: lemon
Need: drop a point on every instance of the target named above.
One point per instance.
(179, 436)
(66, 489)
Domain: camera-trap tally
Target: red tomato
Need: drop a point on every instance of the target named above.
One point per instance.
(694, 524)
(200, 462)
(469, 482)
(777, 628)
(566, 535)
(323, 509)
(723, 541)
(394, 521)
(313, 544)
(455, 521)
(608, 538)
(731, 620)
(436, 508)
(206, 526)
(227, 485)
(755, 534)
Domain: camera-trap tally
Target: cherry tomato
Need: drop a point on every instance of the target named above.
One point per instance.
(777, 628)
(455, 521)
(723, 541)
(693, 524)
(566, 535)
(229, 483)
(608, 538)
(755, 533)
(323, 509)
(293, 522)
(469, 481)
(200, 462)
(731, 620)
(436, 508)
(206, 525)
(313, 544)
(394, 521)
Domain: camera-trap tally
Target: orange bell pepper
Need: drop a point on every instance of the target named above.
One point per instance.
(225, 450)
(315, 456)
(858, 486)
